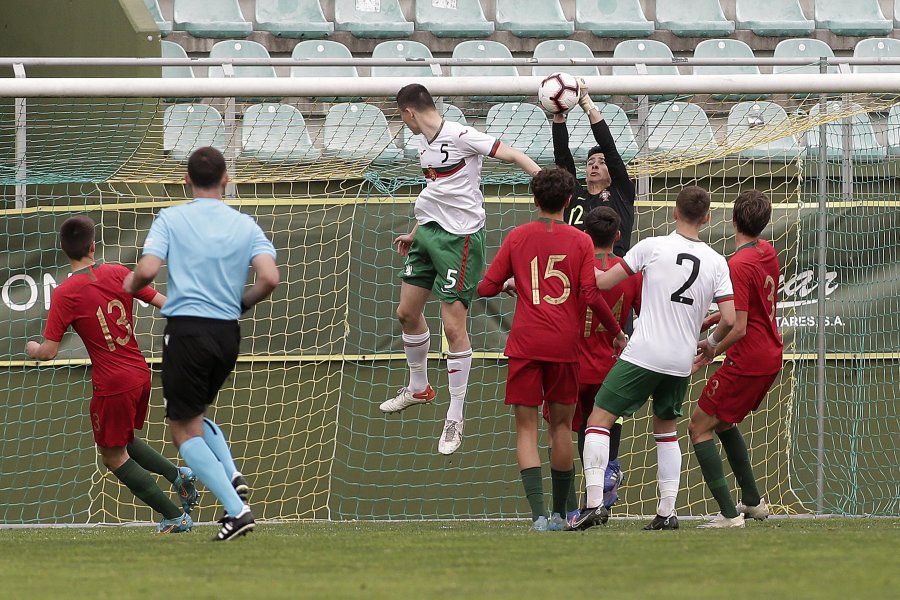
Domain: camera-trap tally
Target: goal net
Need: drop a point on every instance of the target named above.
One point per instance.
(332, 181)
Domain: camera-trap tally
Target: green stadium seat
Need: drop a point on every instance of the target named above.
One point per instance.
(443, 19)
(484, 49)
(522, 126)
(211, 18)
(857, 18)
(638, 49)
(532, 18)
(173, 50)
(359, 132)
(411, 142)
(864, 146)
(187, 127)
(892, 133)
(897, 14)
(751, 122)
(727, 49)
(404, 49)
(564, 50)
(773, 18)
(312, 49)
(276, 133)
(165, 27)
(292, 19)
(371, 18)
(810, 49)
(581, 137)
(877, 48)
(612, 18)
(242, 49)
(693, 18)
(679, 127)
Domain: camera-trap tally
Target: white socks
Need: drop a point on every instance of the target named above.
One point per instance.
(668, 474)
(458, 366)
(596, 457)
(416, 347)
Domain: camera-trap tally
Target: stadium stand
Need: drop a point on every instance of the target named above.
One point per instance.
(523, 126)
(465, 20)
(679, 126)
(727, 49)
(811, 49)
(619, 19)
(165, 27)
(324, 49)
(564, 49)
(404, 49)
(877, 48)
(292, 19)
(276, 133)
(532, 18)
(211, 18)
(371, 18)
(357, 131)
(749, 122)
(172, 50)
(187, 127)
(581, 138)
(242, 49)
(858, 18)
(693, 18)
(484, 49)
(637, 49)
(864, 146)
(772, 18)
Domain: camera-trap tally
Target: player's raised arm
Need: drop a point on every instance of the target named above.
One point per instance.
(509, 154)
(562, 155)
(603, 136)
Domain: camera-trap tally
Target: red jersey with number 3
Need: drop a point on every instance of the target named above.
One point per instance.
(93, 302)
(553, 267)
(596, 353)
(755, 276)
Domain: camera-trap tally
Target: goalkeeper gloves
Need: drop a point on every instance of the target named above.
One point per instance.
(584, 99)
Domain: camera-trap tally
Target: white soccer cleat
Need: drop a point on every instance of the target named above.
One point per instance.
(451, 437)
(722, 522)
(405, 399)
(760, 512)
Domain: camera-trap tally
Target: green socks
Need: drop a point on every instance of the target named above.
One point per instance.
(151, 460)
(563, 487)
(142, 485)
(739, 459)
(711, 467)
(534, 491)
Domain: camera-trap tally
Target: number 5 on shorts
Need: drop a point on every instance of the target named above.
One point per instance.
(451, 279)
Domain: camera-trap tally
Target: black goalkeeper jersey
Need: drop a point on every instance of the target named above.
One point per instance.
(619, 195)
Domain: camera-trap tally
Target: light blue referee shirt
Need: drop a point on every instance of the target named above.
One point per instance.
(208, 247)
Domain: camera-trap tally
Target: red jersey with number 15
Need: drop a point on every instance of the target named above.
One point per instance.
(755, 277)
(596, 354)
(553, 267)
(93, 302)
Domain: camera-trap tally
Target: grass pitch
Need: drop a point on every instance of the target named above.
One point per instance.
(798, 558)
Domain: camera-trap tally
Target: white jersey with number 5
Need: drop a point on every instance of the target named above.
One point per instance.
(682, 278)
(452, 196)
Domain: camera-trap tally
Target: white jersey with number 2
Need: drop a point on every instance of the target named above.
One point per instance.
(682, 278)
(451, 162)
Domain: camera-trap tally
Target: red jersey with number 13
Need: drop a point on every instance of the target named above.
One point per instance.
(93, 302)
(755, 277)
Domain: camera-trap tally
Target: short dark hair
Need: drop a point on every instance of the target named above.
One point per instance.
(601, 224)
(552, 188)
(415, 96)
(205, 167)
(593, 151)
(751, 213)
(76, 236)
(692, 203)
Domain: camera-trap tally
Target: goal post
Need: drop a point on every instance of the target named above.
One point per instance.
(332, 179)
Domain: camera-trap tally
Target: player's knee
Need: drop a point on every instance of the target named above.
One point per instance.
(406, 316)
(698, 432)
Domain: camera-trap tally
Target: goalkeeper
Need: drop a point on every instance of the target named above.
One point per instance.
(607, 183)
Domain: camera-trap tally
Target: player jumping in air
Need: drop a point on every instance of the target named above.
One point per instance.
(682, 277)
(444, 251)
(207, 246)
(607, 183)
(552, 266)
(753, 355)
(91, 300)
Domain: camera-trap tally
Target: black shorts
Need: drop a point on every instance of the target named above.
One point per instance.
(198, 356)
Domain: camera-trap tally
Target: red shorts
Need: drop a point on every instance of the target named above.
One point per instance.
(115, 417)
(587, 392)
(730, 396)
(531, 382)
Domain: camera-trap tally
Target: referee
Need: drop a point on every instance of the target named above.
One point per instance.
(207, 246)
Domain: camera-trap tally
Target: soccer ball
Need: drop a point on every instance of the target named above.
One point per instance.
(558, 93)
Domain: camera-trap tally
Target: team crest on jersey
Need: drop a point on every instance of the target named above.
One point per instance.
(408, 270)
(430, 173)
